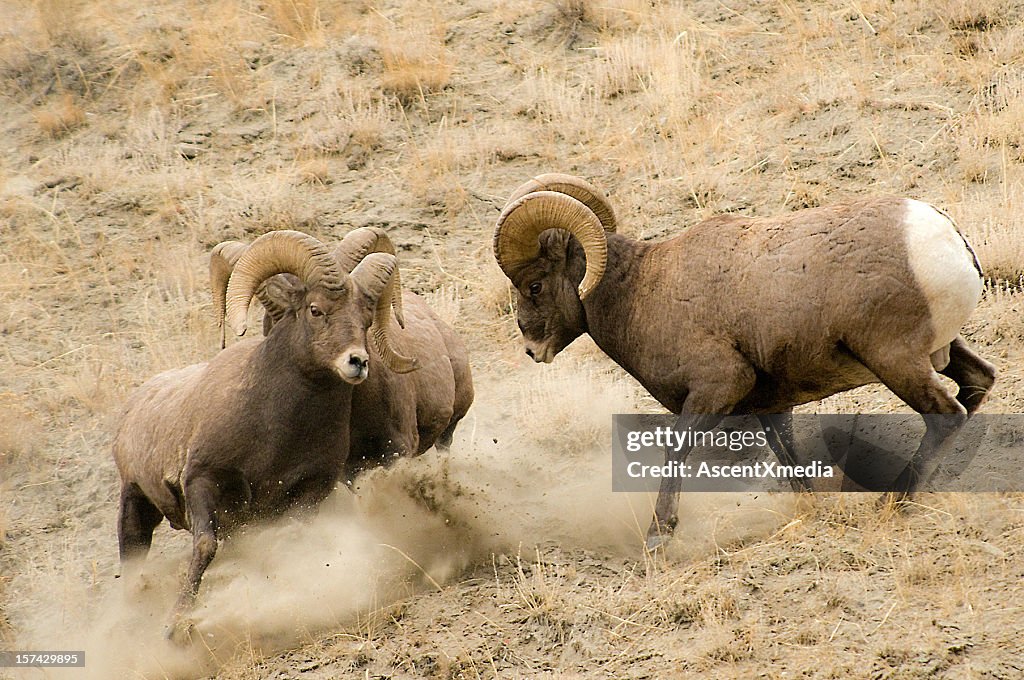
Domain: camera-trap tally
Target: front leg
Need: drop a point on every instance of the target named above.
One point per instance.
(216, 500)
(203, 496)
(713, 393)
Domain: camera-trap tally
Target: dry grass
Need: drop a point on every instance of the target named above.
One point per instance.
(216, 52)
(298, 20)
(60, 117)
(722, 614)
(21, 432)
(411, 73)
(561, 426)
(137, 135)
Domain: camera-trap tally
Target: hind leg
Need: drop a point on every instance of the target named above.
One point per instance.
(914, 380)
(778, 428)
(463, 399)
(971, 373)
(136, 521)
(444, 442)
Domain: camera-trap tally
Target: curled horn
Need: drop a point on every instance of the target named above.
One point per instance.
(578, 188)
(222, 261)
(359, 243)
(516, 235)
(279, 252)
(376, 274)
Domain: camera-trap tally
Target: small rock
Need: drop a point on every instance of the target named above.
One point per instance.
(18, 185)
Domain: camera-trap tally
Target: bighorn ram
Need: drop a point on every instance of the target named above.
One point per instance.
(255, 431)
(394, 413)
(743, 315)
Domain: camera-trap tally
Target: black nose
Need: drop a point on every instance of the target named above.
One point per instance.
(529, 353)
(357, 361)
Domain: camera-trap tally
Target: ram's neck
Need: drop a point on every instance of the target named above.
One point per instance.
(313, 404)
(610, 307)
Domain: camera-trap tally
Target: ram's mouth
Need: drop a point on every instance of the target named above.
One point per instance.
(353, 375)
(352, 367)
(541, 352)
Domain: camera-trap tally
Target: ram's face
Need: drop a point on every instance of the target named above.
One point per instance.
(335, 323)
(550, 313)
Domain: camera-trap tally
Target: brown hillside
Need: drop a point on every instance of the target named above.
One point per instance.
(138, 134)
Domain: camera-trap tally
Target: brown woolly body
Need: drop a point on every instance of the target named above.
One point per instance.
(691, 295)
(273, 442)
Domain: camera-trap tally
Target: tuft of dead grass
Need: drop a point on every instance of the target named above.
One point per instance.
(60, 117)
(20, 430)
(411, 74)
(299, 20)
(966, 15)
(59, 21)
(992, 230)
(415, 62)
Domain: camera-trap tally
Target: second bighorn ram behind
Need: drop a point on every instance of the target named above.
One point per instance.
(754, 315)
(394, 412)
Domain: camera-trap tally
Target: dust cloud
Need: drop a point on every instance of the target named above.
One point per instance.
(530, 465)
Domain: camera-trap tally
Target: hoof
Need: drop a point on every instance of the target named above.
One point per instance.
(907, 483)
(179, 631)
(800, 485)
(657, 542)
(899, 501)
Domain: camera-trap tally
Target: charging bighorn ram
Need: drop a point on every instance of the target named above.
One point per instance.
(261, 429)
(754, 315)
(394, 412)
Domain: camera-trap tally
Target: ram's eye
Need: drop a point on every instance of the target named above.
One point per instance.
(315, 311)
(535, 288)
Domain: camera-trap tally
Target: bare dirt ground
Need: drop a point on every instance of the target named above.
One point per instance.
(136, 135)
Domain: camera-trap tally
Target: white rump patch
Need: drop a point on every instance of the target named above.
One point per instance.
(943, 267)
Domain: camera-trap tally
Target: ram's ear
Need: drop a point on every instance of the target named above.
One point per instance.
(279, 295)
(554, 245)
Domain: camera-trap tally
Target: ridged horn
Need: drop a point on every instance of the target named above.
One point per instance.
(278, 252)
(222, 261)
(376, 274)
(574, 186)
(359, 243)
(516, 235)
